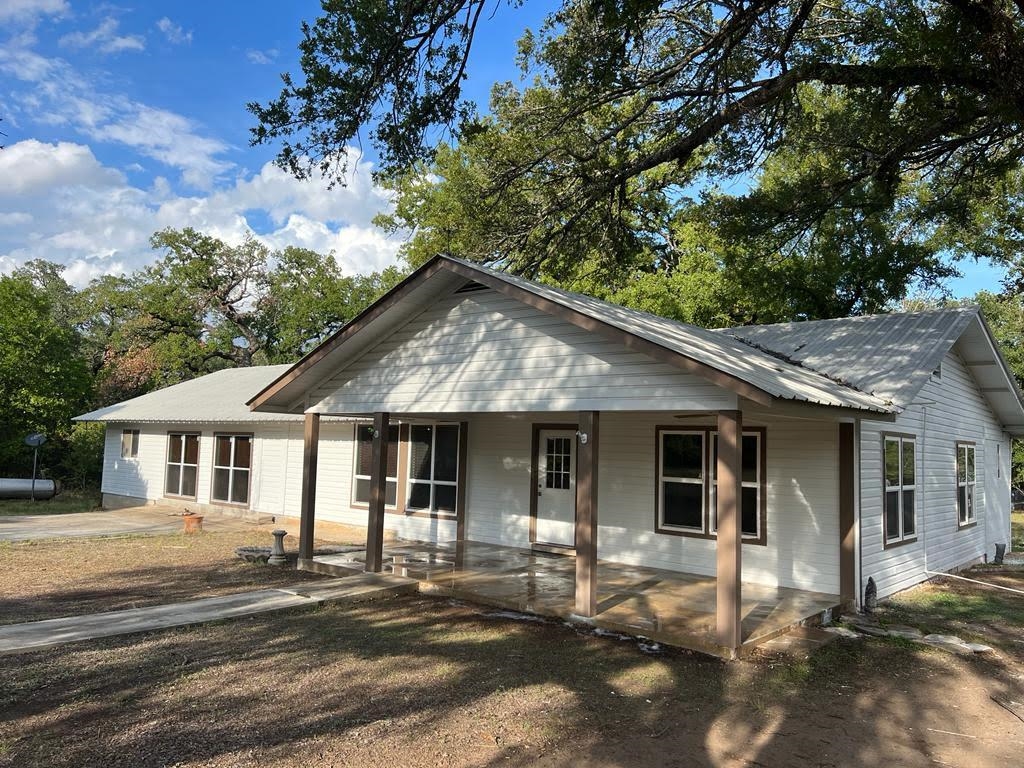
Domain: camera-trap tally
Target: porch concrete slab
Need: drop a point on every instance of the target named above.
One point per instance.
(667, 606)
(35, 635)
(137, 521)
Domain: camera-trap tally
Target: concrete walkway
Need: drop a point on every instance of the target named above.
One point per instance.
(34, 635)
(137, 521)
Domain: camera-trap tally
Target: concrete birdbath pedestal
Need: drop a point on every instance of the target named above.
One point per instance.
(277, 556)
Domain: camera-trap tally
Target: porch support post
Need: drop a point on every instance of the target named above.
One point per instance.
(729, 544)
(586, 513)
(847, 533)
(378, 493)
(307, 504)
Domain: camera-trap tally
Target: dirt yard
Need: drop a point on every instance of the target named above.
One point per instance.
(422, 682)
(47, 579)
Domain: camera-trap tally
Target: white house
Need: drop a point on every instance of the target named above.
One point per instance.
(470, 405)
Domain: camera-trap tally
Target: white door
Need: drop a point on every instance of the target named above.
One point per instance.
(556, 487)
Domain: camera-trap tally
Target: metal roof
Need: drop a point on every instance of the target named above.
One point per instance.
(215, 397)
(891, 356)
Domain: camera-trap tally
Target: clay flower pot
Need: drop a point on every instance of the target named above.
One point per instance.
(193, 523)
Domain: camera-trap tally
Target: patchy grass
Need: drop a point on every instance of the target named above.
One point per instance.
(66, 503)
(49, 578)
(1017, 530)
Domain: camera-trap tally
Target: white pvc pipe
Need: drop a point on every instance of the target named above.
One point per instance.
(975, 581)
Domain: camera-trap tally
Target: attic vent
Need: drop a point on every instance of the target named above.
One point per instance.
(471, 287)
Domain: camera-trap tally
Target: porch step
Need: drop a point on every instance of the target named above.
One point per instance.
(798, 641)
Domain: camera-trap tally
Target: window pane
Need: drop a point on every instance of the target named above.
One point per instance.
(173, 480)
(419, 496)
(364, 447)
(908, 462)
(420, 437)
(682, 504)
(191, 449)
(362, 495)
(243, 452)
(392, 470)
(970, 463)
(240, 489)
(892, 463)
(892, 515)
(126, 443)
(174, 454)
(220, 484)
(390, 492)
(961, 463)
(970, 503)
(961, 502)
(444, 498)
(750, 459)
(750, 512)
(681, 456)
(222, 453)
(188, 481)
(908, 513)
(446, 458)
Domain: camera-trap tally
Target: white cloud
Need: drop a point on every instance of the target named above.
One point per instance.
(58, 95)
(70, 208)
(104, 38)
(261, 57)
(174, 33)
(29, 10)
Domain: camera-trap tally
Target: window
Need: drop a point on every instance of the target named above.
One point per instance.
(433, 467)
(687, 483)
(965, 478)
(900, 488)
(559, 463)
(129, 443)
(364, 465)
(182, 464)
(232, 460)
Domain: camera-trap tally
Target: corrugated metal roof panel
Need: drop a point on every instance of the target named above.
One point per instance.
(890, 356)
(218, 396)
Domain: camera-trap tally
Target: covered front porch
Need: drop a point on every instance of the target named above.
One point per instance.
(670, 607)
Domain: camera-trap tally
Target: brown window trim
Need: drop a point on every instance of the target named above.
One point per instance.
(907, 540)
(399, 507)
(214, 468)
(167, 461)
(762, 539)
(956, 486)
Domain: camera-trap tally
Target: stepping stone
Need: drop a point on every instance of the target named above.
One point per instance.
(843, 632)
(907, 633)
(980, 647)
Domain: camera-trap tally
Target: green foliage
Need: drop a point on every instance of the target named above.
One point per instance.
(43, 379)
(81, 462)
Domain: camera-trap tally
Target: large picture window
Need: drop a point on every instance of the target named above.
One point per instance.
(688, 483)
(900, 488)
(364, 465)
(182, 464)
(433, 468)
(232, 462)
(966, 472)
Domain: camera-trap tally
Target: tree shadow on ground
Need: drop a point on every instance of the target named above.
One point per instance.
(415, 681)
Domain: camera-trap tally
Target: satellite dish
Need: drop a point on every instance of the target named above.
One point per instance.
(35, 439)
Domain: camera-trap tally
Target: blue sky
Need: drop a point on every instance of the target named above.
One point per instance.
(122, 120)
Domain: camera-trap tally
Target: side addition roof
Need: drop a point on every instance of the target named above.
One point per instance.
(216, 397)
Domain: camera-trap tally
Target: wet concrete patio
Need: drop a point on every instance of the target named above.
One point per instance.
(666, 606)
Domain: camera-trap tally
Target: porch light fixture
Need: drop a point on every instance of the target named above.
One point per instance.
(583, 437)
(376, 433)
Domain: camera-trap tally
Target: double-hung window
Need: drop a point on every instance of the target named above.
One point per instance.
(364, 465)
(688, 483)
(232, 462)
(900, 488)
(433, 468)
(182, 464)
(965, 480)
(129, 443)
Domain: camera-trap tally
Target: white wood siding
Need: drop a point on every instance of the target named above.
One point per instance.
(948, 409)
(483, 352)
